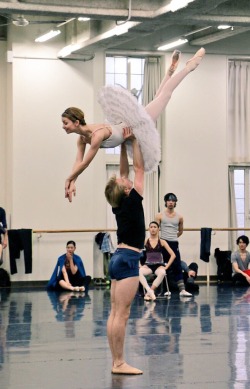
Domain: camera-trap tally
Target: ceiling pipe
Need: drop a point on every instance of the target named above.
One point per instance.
(118, 23)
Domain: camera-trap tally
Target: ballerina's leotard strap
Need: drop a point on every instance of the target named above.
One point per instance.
(108, 127)
(116, 136)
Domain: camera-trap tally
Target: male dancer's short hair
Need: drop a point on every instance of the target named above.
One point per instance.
(244, 239)
(114, 192)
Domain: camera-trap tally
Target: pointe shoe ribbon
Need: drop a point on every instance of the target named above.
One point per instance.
(175, 61)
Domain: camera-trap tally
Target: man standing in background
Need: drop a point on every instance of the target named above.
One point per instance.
(171, 224)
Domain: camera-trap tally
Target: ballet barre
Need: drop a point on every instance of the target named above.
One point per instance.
(56, 231)
(73, 230)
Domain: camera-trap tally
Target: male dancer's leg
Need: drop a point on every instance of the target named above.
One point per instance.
(122, 295)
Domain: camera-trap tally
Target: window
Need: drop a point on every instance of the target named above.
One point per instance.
(128, 73)
(242, 196)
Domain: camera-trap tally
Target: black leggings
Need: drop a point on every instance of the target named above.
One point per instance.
(76, 281)
(176, 265)
(239, 280)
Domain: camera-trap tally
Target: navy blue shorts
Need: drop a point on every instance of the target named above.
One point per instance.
(124, 263)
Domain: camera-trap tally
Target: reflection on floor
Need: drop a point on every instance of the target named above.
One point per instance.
(50, 340)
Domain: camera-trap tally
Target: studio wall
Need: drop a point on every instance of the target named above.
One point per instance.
(40, 154)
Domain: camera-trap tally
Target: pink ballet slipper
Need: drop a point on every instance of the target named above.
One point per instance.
(125, 369)
(175, 62)
(196, 60)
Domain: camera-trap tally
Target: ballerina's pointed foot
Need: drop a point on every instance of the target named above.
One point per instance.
(196, 60)
(175, 62)
(124, 368)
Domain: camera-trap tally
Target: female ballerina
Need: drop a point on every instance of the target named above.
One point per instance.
(122, 110)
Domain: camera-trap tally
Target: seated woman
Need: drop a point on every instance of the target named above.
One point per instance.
(240, 261)
(154, 263)
(69, 272)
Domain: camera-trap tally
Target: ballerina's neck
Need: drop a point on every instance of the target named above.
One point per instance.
(86, 131)
(153, 239)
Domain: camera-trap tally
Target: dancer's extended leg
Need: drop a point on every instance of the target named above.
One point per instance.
(156, 107)
(172, 68)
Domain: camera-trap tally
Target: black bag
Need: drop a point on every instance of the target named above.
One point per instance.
(224, 265)
(4, 278)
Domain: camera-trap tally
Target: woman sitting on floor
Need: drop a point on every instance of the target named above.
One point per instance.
(69, 272)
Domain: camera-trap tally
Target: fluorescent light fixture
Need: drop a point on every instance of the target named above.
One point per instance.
(170, 45)
(178, 4)
(122, 29)
(67, 50)
(49, 35)
(223, 27)
(118, 30)
(83, 19)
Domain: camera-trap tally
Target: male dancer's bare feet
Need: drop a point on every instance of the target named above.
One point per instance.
(124, 368)
(196, 60)
(175, 61)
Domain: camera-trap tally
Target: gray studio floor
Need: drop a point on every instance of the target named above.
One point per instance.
(53, 341)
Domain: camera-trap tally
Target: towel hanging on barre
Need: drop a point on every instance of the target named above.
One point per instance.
(205, 244)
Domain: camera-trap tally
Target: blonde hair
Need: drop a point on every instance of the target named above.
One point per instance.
(74, 114)
(114, 192)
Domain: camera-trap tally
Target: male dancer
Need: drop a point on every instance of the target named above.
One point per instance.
(125, 197)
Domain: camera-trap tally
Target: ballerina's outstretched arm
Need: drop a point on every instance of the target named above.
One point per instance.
(156, 106)
(82, 162)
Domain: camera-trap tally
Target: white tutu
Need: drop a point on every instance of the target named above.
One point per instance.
(119, 105)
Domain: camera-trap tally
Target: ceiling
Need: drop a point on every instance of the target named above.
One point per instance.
(151, 23)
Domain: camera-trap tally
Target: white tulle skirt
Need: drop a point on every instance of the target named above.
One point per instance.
(119, 105)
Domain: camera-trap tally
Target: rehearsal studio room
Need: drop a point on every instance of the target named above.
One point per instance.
(51, 340)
